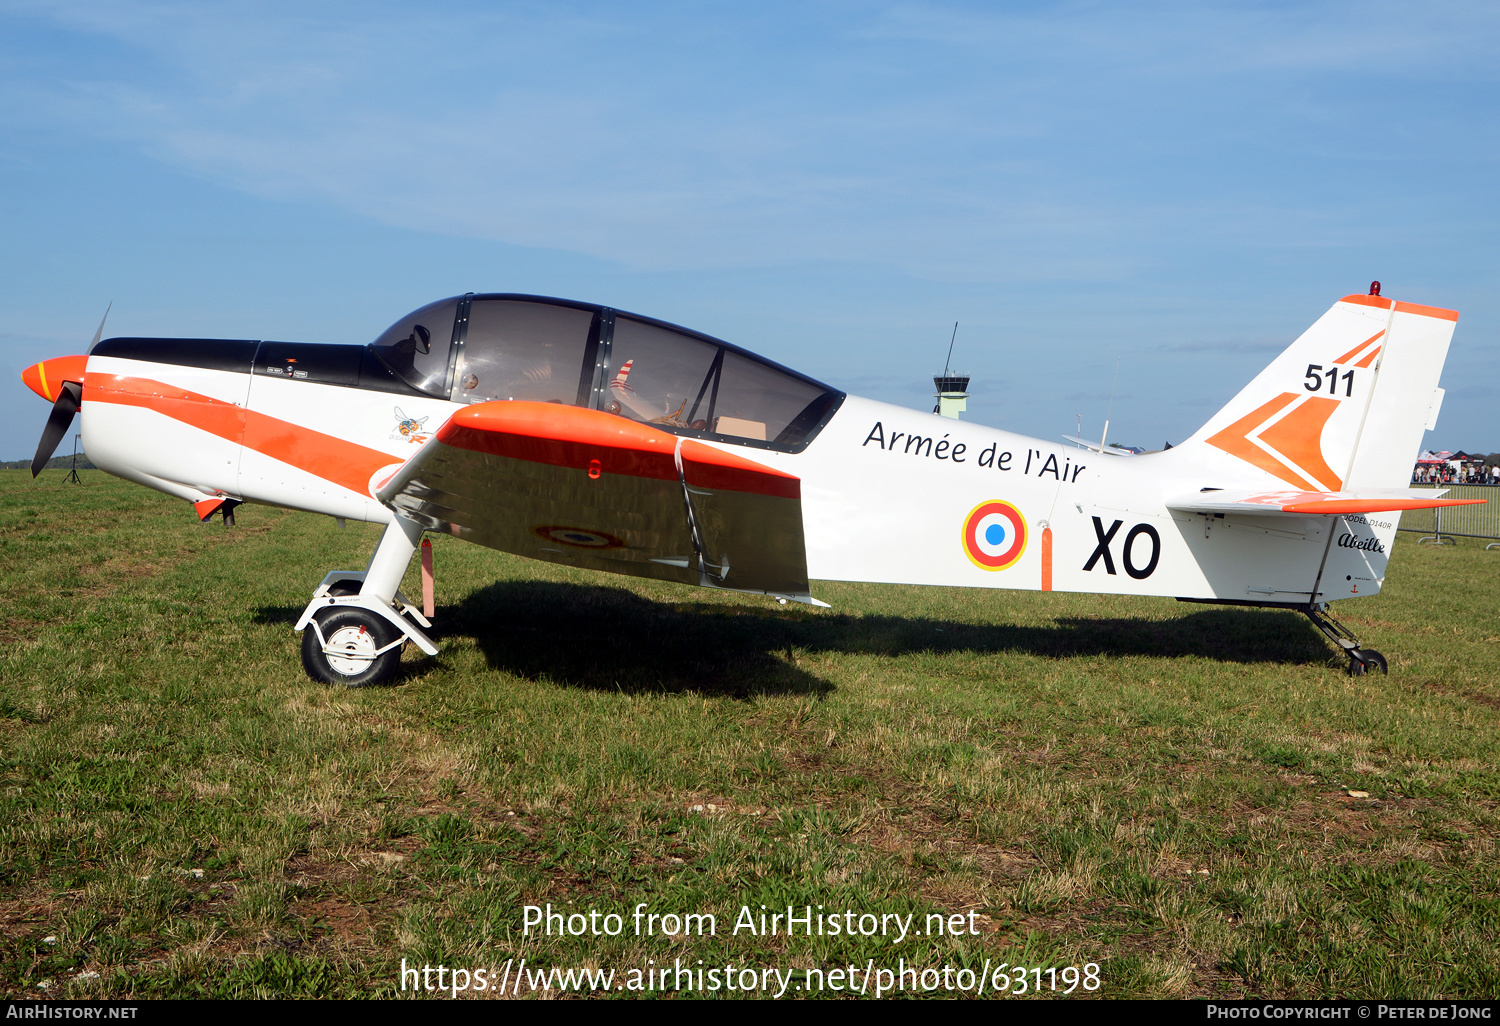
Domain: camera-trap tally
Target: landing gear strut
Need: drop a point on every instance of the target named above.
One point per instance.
(1361, 660)
(357, 623)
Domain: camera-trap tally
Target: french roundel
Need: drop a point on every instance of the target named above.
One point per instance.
(994, 535)
(577, 537)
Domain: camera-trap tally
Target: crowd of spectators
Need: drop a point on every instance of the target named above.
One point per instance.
(1450, 468)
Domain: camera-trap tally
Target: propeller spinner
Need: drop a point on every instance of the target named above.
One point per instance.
(60, 380)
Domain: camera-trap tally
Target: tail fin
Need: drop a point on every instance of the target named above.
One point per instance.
(1343, 407)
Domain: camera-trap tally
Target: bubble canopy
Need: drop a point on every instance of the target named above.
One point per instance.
(502, 346)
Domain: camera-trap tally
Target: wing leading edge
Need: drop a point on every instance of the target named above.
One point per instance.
(591, 489)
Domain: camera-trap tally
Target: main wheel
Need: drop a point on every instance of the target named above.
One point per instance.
(354, 636)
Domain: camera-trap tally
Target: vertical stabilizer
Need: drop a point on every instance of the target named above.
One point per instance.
(1343, 407)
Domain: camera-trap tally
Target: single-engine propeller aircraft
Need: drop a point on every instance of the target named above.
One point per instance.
(584, 435)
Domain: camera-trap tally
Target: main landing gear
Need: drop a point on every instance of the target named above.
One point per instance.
(1361, 660)
(357, 623)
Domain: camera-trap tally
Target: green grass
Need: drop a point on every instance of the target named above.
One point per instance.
(1158, 788)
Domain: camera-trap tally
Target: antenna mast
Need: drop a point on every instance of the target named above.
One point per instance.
(952, 389)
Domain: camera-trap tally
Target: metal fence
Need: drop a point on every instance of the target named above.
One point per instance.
(1446, 523)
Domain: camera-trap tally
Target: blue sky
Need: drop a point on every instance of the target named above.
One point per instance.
(1179, 189)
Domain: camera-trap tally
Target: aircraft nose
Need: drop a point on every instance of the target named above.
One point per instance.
(46, 378)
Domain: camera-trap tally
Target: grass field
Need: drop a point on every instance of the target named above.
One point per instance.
(1195, 799)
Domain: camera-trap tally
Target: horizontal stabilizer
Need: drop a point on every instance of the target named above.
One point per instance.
(1369, 500)
(1107, 450)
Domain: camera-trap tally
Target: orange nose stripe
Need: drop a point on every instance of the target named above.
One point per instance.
(46, 378)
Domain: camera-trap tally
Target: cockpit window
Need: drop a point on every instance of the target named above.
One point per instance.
(416, 347)
(690, 385)
(661, 376)
(524, 350)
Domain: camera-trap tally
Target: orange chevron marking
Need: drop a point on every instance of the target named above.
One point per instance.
(346, 464)
(1299, 437)
(1235, 440)
(1370, 358)
(1351, 353)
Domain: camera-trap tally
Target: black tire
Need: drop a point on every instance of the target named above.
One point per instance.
(1356, 668)
(1373, 661)
(358, 631)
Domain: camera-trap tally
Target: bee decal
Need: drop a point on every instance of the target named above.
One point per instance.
(409, 428)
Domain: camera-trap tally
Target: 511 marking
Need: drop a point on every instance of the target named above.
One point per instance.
(1314, 376)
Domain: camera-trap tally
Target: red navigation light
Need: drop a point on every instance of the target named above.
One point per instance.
(1374, 288)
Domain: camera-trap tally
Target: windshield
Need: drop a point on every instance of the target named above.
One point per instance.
(416, 347)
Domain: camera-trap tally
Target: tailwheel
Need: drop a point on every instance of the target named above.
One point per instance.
(351, 646)
(1364, 661)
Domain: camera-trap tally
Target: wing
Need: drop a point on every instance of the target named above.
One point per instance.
(1372, 500)
(1108, 450)
(594, 490)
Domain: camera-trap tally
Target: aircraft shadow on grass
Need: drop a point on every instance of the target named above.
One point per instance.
(611, 639)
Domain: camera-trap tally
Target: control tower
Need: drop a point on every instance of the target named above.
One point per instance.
(952, 391)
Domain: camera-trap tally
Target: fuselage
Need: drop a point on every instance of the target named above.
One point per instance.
(888, 494)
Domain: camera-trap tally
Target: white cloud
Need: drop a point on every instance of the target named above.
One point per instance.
(946, 140)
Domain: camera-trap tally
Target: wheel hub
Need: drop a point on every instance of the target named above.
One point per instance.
(350, 651)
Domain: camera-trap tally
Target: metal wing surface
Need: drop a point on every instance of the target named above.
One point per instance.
(594, 490)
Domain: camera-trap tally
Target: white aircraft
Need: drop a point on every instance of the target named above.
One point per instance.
(584, 435)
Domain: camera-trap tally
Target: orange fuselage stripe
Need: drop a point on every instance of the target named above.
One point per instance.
(348, 464)
(343, 463)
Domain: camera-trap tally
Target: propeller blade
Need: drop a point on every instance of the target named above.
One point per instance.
(69, 398)
(100, 333)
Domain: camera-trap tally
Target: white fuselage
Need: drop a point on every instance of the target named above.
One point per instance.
(887, 492)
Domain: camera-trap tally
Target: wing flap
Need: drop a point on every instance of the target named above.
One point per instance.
(1377, 500)
(591, 489)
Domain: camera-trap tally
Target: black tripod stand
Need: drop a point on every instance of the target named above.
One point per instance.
(73, 473)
